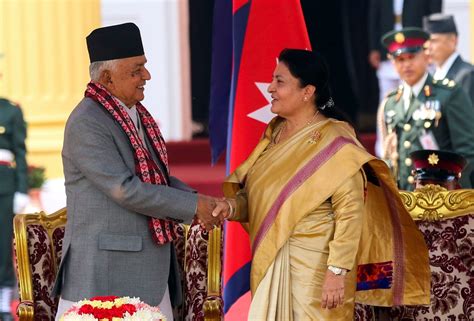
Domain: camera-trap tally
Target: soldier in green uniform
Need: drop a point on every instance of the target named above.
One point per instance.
(422, 113)
(13, 193)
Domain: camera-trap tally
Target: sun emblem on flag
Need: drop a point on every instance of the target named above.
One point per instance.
(433, 159)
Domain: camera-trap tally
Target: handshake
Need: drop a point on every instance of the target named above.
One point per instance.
(211, 212)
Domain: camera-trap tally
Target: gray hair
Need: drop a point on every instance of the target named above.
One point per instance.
(96, 68)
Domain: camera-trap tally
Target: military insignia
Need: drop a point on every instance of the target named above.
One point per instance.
(445, 81)
(2, 130)
(433, 159)
(427, 90)
(399, 37)
(427, 124)
(435, 81)
(451, 83)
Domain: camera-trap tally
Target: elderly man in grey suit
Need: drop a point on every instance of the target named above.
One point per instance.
(442, 49)
(122, 203)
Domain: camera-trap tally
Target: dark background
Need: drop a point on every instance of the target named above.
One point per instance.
(337, 29)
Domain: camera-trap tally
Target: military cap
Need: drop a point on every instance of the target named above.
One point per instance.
(407, 40)
(114, 42)
(437, 164)
(439, 23)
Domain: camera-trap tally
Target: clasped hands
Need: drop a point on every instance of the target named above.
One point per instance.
(211, 212)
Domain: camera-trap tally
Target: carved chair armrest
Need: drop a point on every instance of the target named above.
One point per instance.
(25, 311)
(213, 302)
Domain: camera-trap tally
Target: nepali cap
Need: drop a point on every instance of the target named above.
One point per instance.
(114, 42)
(407, 40)
(437, 164)
(440, 23)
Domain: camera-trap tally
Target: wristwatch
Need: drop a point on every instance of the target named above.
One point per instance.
(336, 270)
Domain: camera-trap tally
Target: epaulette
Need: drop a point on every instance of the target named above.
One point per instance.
(397, 93)
(446, 82)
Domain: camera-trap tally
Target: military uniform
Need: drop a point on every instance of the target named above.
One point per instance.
(13, 178)
(441, 112)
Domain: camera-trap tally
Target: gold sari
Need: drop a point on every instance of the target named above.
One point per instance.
(320, 199)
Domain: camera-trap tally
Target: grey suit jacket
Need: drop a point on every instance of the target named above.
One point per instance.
(108, 248)
(462, 73)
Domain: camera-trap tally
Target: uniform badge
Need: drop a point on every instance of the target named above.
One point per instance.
(433, 159)
(2, 130)
(451, 83)
(445, 81)
(399, 37)
(427, 90)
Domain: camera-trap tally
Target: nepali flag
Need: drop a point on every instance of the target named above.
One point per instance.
(247, 39)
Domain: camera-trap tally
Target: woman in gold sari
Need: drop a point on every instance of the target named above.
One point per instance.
(324, 216)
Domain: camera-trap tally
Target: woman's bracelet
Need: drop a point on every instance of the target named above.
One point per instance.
(231, 208)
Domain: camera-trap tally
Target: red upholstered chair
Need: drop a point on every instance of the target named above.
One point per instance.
(446, 219)
(38, 244)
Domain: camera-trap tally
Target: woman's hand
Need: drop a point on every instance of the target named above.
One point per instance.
(333, 290)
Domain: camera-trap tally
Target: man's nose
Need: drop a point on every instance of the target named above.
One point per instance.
(146, 74)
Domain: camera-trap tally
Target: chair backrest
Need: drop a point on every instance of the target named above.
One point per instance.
(38, 246)
(446, 220)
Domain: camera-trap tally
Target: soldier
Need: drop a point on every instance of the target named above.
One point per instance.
(422, 113)
(13, 189)
(442, 49)
(437, 167)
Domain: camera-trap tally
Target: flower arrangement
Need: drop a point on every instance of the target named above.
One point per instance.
(36, 176)
(112, 308)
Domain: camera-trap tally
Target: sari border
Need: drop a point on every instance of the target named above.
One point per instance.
(296, 181)
(398, 251)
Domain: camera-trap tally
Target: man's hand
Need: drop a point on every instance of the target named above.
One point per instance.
(374, 59)
(205, 206)
(333, 290)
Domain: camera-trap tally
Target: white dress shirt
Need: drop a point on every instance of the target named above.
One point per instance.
(415, 89)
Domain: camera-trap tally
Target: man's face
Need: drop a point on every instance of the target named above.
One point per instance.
(127, 80)
(441, 46)
(411, 66)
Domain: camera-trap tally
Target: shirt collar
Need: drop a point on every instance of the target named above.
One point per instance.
(416, 88)
(442, 71)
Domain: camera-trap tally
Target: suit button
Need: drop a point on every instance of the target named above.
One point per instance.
(407, 127)
(407, 144)
(408, 161)
(427, 124)
(410, 179)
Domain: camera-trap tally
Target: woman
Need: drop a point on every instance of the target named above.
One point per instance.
(309, 191)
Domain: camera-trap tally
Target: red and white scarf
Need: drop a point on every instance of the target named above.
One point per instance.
(163, 231)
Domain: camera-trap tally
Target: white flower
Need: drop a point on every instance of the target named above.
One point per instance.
(77, 317)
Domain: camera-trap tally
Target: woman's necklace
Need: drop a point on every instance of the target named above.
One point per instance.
(283, 127)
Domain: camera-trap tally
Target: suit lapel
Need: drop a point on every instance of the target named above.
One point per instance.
(454, 68)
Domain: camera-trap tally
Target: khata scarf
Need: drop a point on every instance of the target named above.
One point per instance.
(163, 231)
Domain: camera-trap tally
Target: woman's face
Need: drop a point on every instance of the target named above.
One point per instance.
(287, 95)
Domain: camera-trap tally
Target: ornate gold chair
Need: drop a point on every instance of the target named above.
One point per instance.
(446, 219)
(38, 244)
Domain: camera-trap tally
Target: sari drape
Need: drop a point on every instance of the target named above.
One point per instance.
(285, 184)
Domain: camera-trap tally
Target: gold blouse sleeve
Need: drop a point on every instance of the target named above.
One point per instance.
(348, 207)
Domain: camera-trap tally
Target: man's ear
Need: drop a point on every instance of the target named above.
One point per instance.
(105, 78)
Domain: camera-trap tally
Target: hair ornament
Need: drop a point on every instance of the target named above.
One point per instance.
(328, 104)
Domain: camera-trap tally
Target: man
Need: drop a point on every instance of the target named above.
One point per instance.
(388, 15)
(121, 200)
(437, 167)
(385, 16)
(422, 113)
(13, 189)
(442, 49)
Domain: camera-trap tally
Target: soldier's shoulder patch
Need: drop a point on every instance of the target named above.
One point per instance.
(394, 92)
